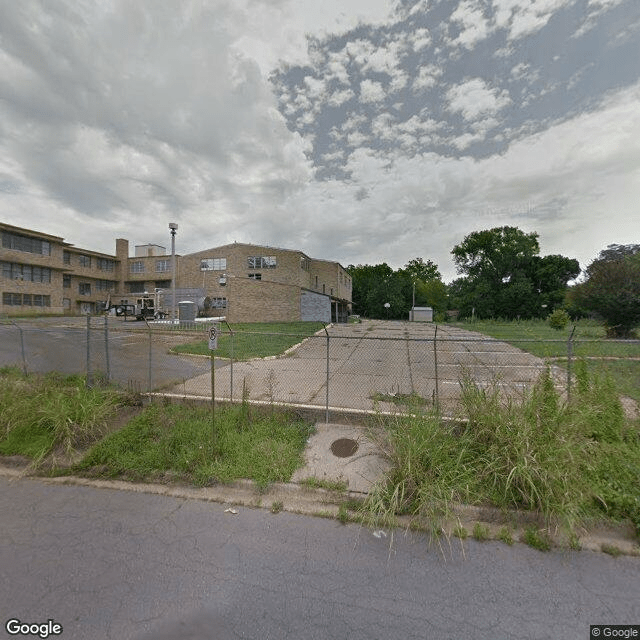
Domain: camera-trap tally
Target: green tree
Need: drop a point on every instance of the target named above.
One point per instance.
(418, 269)
(503, 275)
(612, 289)
(375, 285)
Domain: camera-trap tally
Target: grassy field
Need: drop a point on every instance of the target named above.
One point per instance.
(618, 358)
(254, 340)
(177, 440)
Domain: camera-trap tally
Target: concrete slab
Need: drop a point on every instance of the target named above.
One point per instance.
(374, 360)
(359, 471)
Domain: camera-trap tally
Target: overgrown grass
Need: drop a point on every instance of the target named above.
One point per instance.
(41, 413)
(177, 441)
(567, 462)
(254, 340)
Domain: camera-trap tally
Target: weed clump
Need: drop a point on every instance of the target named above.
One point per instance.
(43, 413)
(565, 461)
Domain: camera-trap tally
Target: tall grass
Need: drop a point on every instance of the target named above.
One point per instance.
(41, 413)
(566, 462)
(264, 445)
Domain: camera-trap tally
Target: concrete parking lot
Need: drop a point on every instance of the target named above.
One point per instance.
(375, 365)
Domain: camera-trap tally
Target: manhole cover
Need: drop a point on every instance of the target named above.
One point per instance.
(344, 447)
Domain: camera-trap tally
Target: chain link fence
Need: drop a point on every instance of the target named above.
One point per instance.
(384, 367)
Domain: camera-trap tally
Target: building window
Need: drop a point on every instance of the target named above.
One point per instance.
(28, 299)
(261, 262)
(84, 288)
(12, 299)
(316, 282)
(25, 243)
(218, 303)
(27, 272)
(66, 280)
(255, 276)
(137, 267)
(66, 257)
(104, 264)
(163, 265)
(304, 263)
(105, 285)
(213, 264)
(136, 287)
(162, 284)
(84, 261)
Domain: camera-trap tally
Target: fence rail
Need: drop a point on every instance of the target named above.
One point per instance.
(342, 368)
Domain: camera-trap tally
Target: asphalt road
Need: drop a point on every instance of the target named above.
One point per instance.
(109, 564)
(61, 345)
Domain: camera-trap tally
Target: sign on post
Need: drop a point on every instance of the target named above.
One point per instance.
(214, 330)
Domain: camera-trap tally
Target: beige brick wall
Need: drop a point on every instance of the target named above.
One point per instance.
(262, 301)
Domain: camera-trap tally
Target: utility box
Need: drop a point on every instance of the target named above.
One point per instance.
(421, 314)
(187, 311)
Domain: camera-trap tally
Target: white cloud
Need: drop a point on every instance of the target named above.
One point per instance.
(427, 77)
(371, 91)
(475, 27)
(524, 17)
(340, 97)
(473, 98)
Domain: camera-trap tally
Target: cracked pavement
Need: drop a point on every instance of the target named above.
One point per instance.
(110, 564)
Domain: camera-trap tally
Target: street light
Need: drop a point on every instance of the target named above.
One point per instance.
(173, 228)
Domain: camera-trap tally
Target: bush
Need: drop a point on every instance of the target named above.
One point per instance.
(559, 319)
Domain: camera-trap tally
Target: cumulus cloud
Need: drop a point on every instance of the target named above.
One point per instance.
(474, 98)
(371, 91)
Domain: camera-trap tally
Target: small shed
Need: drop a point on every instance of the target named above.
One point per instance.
(421, 314)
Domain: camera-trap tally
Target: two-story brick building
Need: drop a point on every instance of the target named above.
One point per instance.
(42, 273)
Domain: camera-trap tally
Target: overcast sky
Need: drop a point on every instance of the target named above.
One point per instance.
(362, 131)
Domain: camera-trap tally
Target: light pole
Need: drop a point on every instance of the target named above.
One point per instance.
(173, 228)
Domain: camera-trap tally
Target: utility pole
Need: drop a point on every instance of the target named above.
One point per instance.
(173, 227)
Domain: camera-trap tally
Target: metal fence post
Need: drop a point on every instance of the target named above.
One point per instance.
(150, 352)
(569, 361)
(435, 366)
(88, 382)
(106, 347)
(326, 415)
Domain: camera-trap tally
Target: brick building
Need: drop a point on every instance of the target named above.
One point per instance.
(42, 273)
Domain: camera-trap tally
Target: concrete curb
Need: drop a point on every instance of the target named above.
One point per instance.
(301, 499)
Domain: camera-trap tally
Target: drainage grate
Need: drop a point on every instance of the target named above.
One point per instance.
(344, 447)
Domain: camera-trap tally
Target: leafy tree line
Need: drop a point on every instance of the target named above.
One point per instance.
(502, 275)
(611, 288)
(377, 285)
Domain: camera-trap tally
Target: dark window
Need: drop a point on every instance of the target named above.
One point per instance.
(105, 264)
(255, 276)
(25, 243)
(66, 281)
(261, 262)
(66, 257)
(84, 288)
(84, 261)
